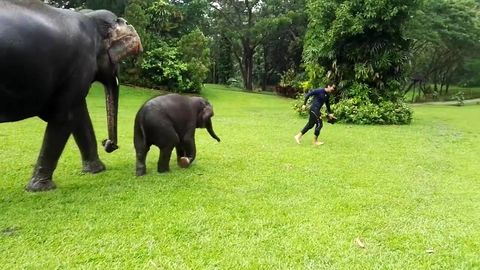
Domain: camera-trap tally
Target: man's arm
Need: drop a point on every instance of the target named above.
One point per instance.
(307, 96)
(327, 104)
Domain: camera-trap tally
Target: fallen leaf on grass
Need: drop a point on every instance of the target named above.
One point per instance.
(359, 242)
(288, 166)
(10, 231)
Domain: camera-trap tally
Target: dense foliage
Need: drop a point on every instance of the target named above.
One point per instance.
(376, 50)
(359, 109)
(274, 29)
(177, 53)
(359, 42)
(361, 45)
(445, 46)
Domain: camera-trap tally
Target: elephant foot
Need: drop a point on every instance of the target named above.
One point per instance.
(163, 169)
(40, 184)
(141, 171)
(184, 162)
(95, 166)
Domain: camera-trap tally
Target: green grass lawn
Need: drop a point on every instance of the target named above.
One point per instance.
(257, 200)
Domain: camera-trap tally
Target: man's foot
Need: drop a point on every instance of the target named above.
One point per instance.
(297, 138)
(318, 143)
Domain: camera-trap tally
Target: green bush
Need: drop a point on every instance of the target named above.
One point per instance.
(297, 105)
(235, 82)
(163, 68)
(459, 98)
(291, 84)
(193, 50)
(288, 91)
(356, 107)
(358, 111)
(180, 69)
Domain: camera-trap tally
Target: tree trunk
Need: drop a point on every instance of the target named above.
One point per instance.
(447, 85)
(214, 78)
(247, 73)
(265, 68)
(413, 93)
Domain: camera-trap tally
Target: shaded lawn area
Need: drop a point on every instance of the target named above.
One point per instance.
(410, 194)
(468, 93)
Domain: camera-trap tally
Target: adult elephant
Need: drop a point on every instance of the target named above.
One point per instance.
(169, 122)
(49, 58)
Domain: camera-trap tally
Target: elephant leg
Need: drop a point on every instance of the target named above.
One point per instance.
(165, 138)
(190, 151)
(56, 136)
(141, 151)
(85, 138)
(164, 159)
(141, 167)
(182, 160)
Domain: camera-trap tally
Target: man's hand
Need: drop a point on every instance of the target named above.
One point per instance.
(331, 118)
(304, 107)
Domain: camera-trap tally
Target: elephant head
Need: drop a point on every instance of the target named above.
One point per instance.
(118, 41)
(204, 116)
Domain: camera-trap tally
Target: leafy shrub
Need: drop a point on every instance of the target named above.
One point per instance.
(288, 91)
(459, 97)
(290, 84)
(358, 111)
(356, 107)
(297, 105)
(193, 50)
(163, 68)
(182, 68)
(235, 82)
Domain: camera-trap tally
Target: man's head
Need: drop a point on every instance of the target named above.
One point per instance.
(330, 87)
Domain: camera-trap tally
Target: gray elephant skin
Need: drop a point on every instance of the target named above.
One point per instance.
(169, 122)
(49, 58)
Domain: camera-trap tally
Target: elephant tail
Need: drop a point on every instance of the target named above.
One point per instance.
(139, 132)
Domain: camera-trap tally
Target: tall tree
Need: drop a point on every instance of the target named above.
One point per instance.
(237, 22)
(178, 55)
(445, 36)
(247, 25)
(359, 41)
(283, 47)
(222, 68)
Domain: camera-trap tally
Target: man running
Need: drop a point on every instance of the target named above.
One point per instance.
(320, 96)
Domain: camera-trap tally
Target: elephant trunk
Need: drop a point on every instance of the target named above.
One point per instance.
(210, 130)
(111, 97)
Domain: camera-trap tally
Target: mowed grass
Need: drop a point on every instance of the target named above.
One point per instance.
(371, 197)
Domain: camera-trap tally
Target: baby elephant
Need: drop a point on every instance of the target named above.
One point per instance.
(170, 121)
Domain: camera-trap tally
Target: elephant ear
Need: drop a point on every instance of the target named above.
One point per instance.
(120, 39)
(204, 114)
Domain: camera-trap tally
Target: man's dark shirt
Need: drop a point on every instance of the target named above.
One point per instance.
(320, 97)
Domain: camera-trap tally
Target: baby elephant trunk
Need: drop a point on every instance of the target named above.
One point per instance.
(210, 130)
